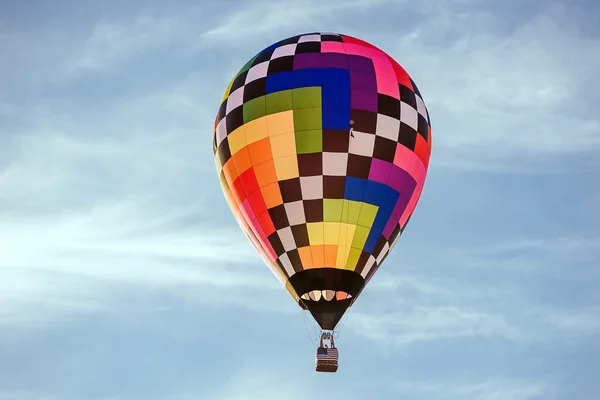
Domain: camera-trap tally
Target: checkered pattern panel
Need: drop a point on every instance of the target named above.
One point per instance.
(322, 144)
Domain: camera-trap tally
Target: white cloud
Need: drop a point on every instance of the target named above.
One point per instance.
(284, 16)
(493, 98)
(112, 42)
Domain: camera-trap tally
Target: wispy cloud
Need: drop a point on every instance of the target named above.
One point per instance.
(240, 26)
(112, 42)
(492, 388)
(482, 292)
(501, 97)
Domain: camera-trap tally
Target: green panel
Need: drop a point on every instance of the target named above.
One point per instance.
(279, 101)
(353, 257)
(310, 141)
(351, 211)
(307, 97)
(254, 109)
(247, 66)
(332, 210)
(360, 237)
(367, 215)
(306, 119)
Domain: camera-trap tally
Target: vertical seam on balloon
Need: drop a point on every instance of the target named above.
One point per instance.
(298, 163)
(275, 264)
(347, 166)
(348, 153)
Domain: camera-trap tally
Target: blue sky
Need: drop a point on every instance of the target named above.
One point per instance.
(123, 274)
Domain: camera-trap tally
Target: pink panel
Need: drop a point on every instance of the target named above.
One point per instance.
(262, 238)
(412, 203)
(401, 75)
(387, 82)
(359, 50)
(333, 47)
(410, 162)
(246, 211)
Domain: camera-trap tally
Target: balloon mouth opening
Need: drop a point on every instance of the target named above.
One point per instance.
(325, 295)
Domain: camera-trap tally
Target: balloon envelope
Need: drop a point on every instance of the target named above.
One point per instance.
(322, 144)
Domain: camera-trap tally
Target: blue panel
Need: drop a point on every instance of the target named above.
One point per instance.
(385, 198)
(336, 118)
(335, 84)
(334, 77)
(382, 195)
(355, 189)
(377, 194)
(336, 96)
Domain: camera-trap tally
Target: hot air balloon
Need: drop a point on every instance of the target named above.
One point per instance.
(322, 144)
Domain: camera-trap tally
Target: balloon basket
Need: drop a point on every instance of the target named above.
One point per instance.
(327, 356)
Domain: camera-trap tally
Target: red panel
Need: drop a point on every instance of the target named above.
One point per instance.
(401, 75)
(237, 191)
(249, 182)
(429, 136)
(422, 150)
(257, 202)
(350, 39)
(267, 224)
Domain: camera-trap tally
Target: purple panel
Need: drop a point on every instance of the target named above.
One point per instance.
(380, 170)
(364, 100)
(360, 63)
(401, 205)
(401, 181)
(363, 80)
(389, 228)
(320, 60)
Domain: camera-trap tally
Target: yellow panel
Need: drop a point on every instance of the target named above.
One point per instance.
(367, 215)
(315, 233)
(256, 130)
(343, 234)
(237, 139)
(350, 229)
(218, 164)
(291, 290)
(283, 145)
(353, 257)
(331, 232)
(286, 167)
(342, 256)
(279, 123)
(360, 237)
(226, 94)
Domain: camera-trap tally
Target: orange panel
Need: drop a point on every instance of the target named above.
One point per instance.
(230, 172)
(272, 195)
(265, 173)
(318, 256)
(330, 254)
(260, 151)
(305, 257)
(242, 162)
